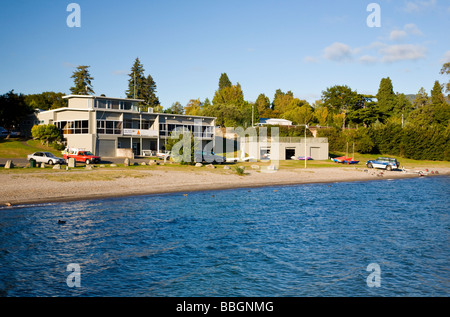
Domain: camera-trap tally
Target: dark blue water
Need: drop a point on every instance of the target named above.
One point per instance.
(307, 240)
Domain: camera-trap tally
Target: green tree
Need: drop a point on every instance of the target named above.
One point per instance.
(386, 97)
(151, 99)
(176, 108)
(137, 81)
(281, 102)
(403, 105)
(341, 101)
(421, 99)
(82, 80)
(437, 97)
(232, 94)
(229, 106)
(45, 133)
(262, 103)
(299, 112)
(193, 108)
(446, 70)
(141, 87)
(13, 110)
(321, 114)
(224, 81)
(46, 101)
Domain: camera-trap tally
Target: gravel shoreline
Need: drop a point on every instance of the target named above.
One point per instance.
(35, 188)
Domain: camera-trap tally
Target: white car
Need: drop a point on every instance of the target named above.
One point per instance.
(162, 155)
(386, 163)
(45, 157)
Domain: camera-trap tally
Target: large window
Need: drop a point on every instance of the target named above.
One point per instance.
(73, 127)
(100, 104)
(114, 104)
(109, 127)
(199, 131)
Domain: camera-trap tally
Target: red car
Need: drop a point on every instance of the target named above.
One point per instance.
(82, 156)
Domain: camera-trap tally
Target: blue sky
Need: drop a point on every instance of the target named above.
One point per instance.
(302, 46)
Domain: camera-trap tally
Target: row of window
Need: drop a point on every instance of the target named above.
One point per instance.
(115, 104)
(109, 127)
(73, 127)
(138, 124)
(115, 127)
(198, 130)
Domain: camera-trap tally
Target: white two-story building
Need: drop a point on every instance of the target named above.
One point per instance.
(115, 127)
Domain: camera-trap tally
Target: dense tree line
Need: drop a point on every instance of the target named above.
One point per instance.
(419, 129)
(388, 122)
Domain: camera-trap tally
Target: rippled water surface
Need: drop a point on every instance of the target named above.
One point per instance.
(306, 240)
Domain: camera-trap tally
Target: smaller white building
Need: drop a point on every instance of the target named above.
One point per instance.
(285, 148)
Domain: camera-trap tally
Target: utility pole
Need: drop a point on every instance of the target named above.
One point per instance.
(252, 114)
(306, 127)
(134, 73)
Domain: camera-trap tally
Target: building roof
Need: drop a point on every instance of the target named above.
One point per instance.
(274, 121)
(101, 97)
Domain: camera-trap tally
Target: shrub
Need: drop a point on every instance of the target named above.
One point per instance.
(240, 170)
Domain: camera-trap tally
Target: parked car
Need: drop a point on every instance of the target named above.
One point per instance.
(386, 163)
(3, 132)
(208, 157)
(45, 157)
(82, 156)
(162, 155)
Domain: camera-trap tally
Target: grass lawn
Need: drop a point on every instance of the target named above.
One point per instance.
(407, 163)
(18, 148)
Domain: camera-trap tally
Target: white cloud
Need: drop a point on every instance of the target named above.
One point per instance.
(310, 59)
(411, 28)
(69, 64)
(338, 52)
(408, 29)
(396, 53)
(446, 57)
(419, 5)
(119, 72)
(397, 35)
(368, 59)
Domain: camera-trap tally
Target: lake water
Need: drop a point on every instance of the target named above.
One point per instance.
(305, 240)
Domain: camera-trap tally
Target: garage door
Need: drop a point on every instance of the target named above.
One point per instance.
(315, 153)
(107, 148)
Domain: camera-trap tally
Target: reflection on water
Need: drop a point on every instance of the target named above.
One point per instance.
(306, 240)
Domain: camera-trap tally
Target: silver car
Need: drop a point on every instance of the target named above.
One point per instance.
(45, 157)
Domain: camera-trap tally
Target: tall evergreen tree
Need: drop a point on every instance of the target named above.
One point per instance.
(137, 81)
(150, 95)
(224, 81)
(83, 81)
(421, 99)
(141, 87)
(386, 96)
(437, 97)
